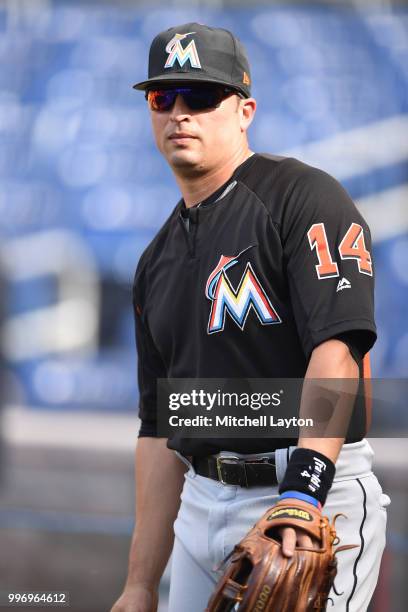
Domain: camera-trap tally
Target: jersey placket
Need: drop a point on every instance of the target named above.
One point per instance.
(189, 224)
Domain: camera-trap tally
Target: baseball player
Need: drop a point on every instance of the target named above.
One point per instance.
(262, 270)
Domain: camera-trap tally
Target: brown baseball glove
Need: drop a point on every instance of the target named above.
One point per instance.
(259, 578)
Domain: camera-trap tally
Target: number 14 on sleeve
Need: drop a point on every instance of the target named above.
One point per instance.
(352, 246)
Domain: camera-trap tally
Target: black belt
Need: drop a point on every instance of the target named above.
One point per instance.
(232, 470)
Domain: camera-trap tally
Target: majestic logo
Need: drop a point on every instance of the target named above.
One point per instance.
(176, 52)
(343, 284)
(238, 303)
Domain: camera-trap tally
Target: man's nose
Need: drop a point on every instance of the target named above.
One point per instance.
(180, 108)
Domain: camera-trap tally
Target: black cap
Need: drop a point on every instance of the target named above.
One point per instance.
(194, 53)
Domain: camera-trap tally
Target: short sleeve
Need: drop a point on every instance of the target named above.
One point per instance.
(150, 366)
(327, 255)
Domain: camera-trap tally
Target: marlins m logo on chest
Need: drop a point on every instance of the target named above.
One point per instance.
(224, 298)
(177, 53)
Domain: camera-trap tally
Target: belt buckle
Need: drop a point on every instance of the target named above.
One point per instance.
(219, 461)
(268, 460)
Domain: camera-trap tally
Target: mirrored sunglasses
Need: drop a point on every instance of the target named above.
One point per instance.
(195, 98)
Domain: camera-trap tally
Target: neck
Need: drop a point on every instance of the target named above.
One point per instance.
(197, 188)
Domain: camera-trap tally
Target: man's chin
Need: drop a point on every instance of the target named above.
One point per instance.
(184, 160)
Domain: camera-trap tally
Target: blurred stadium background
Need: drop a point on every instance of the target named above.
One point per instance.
(83, 191)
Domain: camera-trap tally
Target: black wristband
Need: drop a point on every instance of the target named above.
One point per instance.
(309, 472)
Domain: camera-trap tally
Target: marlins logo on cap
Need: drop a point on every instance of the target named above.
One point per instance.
(176, 52)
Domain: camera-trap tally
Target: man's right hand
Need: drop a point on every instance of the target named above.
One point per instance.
(159, 482)
(138, 598)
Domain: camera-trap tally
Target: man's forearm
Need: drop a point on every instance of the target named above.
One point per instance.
(330, 360)
(159, 482)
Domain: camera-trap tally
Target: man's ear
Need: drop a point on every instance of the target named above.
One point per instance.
(247, 108)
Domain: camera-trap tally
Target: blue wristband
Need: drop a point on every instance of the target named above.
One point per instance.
(303, 496)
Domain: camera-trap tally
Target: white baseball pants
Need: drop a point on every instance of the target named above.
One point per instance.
(213, 517)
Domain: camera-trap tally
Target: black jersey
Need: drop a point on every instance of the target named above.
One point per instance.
(247, 284)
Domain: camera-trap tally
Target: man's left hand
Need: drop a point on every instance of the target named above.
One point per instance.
(292, 537)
